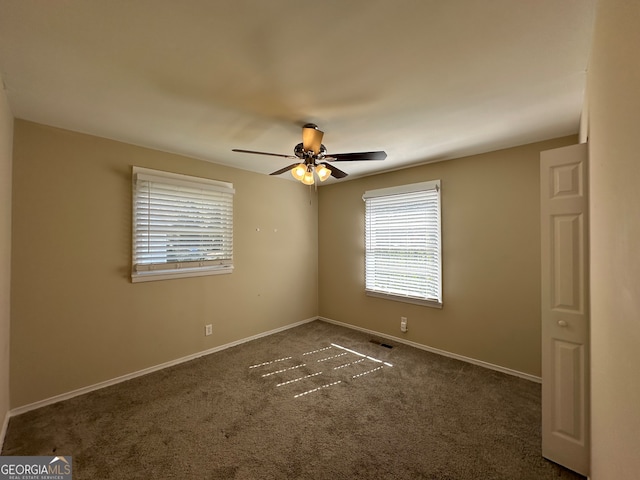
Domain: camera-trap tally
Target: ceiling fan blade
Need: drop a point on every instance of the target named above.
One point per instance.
(311, 138)
(335, 171)
(263, 153)
(285, 169)
(350, 157)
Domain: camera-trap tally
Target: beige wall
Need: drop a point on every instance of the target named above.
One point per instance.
(76, 317)
(614, 123)
(6, 141)
(491, 258)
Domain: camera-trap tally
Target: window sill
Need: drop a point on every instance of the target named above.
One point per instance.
(400, 298)
(152, 276)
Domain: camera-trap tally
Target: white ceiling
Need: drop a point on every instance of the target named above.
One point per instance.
(424, 80)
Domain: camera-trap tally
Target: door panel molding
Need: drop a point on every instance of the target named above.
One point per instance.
(565, 306)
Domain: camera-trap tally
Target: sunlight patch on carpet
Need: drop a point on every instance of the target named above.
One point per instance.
(271, 362)
(361, 355)
(350, 363)
(335, 370)
(332, 357)
(317, 389)
(284, 370)
(298, 379)
(367, 372)
(316, 351)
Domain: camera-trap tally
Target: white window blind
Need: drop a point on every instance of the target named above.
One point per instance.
(402, 240)
(182, 226)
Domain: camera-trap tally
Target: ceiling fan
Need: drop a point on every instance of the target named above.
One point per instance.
(312, 156)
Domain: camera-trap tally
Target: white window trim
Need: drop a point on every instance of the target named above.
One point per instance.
(401, 189)
(407, 299)
(153, 272)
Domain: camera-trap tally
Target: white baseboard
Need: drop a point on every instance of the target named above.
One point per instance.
(480, 363)
(3, 431)
(145, 371)
(155, 368)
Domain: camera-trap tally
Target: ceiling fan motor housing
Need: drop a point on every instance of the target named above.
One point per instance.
(309, 156)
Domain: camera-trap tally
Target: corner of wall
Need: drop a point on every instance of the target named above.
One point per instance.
(583, 135)
(6, 154)
(614, 115)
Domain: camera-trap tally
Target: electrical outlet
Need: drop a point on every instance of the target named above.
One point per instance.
(208, 329)
(403, 324)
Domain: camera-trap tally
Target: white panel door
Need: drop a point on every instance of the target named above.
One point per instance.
(565, 307)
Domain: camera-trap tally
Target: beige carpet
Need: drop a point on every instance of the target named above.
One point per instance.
(315, 402)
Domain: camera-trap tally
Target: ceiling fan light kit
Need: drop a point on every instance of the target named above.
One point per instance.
(308, 177)
(298, 171)
(323, 172)
(314, 155)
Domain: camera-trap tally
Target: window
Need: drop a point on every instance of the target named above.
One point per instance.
(182, 226)
(402, 243)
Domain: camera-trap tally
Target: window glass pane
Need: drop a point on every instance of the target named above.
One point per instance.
(181, 224)
(402, 239)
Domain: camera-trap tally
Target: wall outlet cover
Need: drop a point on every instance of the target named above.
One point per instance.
(403, 324)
